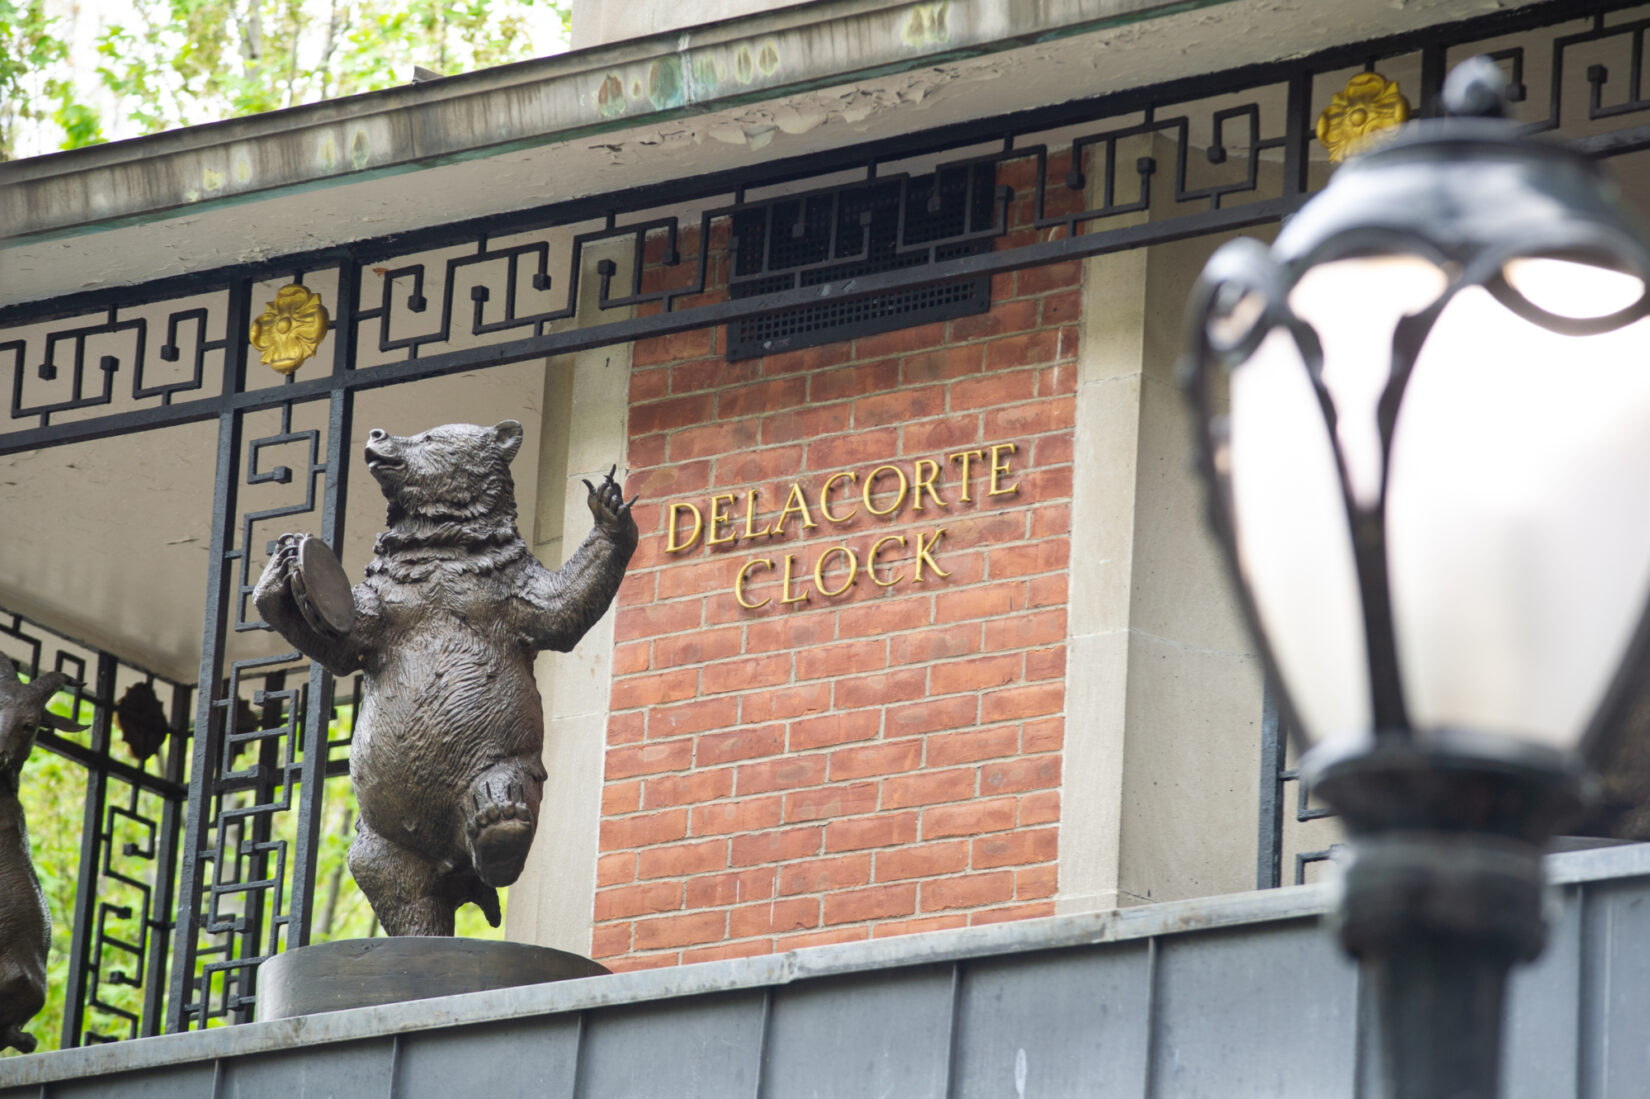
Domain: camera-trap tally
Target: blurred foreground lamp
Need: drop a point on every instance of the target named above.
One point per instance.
(1425, 421)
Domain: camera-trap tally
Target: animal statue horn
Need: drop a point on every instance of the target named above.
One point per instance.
(447, 754)
(25, 921)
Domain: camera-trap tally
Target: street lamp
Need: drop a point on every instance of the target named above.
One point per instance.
(1424, 418)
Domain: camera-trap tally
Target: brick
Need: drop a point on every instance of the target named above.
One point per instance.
(691, 344)
(851, 381)
(857, 449)
(920, 925)
(927, 861)
(835, 800)
(842, 658)
(876, 759)
(688, 930)
(682, 859)
(786, 702)
(825, 875)
(806, 423)
(972, 745)
(746, 673)
(1034, 557)
(882, 830)
(1036, 882)
(1047, 663)
(808, 358)
(980, 673)
(648, 385)
(776, 846)
(685, 377)
(631, 658)
(1033, 911)
(928, 788)
(698, 716)
(748, 400)
(1047, 591)
(1062, 308)
(638, 900)
(1034, 418)
(973, 819)
(835, 728)
(648, 759)
(1015, 848)
(748, 815)
(1032, 773)
(1010, 316)
(899, 340)
(693, 788)
(941, 364)
(881, 690)
(626, 728)
(625, 833)
(996, 388)
(1045, 735)
(752, 742)
(699, 646)
(607, 941)
(630, 963)
(1042, 807)
(660, 687)
(898, 407)
(968, 891)
(821, 938)
(884, 616)
(672, 413)
(1021, 702)
(986, 601)
(733, 887)
(929, 716)
(937, 643)
(793, 632)
(1024, 631)
(616, 869)
(713, 439)
(787, 773)
(1028, 348)
(621, 797)
(753, 468)
(939, 438)
(878, 902)
(1049, 276)
(1058, 380)
(647, 451)
(656, 620)
(723, 951)
(795, 914)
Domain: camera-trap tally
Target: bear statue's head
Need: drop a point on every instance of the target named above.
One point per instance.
(455, 472)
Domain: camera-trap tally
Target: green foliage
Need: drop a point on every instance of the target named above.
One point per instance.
(170, 63)
(53, 794)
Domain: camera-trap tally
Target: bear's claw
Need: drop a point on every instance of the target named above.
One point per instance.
(499, 834)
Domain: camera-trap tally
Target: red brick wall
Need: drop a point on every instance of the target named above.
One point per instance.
(882, 762)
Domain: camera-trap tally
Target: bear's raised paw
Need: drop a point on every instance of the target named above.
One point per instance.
(499, 832)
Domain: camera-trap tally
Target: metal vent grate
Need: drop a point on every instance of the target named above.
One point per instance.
(847, 232)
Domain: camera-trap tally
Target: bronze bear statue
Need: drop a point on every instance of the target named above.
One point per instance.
(446, 760)
(25, 921)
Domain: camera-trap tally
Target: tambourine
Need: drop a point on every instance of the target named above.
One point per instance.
(321, 589)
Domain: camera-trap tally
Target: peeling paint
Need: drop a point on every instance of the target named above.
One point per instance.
(329, 153)
(664, 83)
(744, 68)
(927, 24)
(358, 150)
(211, 180)
(767, 57)
(243, 169)
(610, 96)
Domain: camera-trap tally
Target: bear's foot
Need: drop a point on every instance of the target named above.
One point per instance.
(17, 1038)
(499, 834)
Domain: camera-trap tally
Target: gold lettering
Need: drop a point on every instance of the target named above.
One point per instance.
(819, 571)
(750, 516)
(1000, 467)
(718, 516)
(920, 482)
(744, 575)
(923, 554)
(824, 491)
(785, 589)
(795, 504)
(871, 480)
(673, 546)
(871, 561)
(967, 457)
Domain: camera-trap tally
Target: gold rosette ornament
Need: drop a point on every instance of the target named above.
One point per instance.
(290, 328)
(1370, 105)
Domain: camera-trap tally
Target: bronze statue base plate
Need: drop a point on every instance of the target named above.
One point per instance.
(367, 972)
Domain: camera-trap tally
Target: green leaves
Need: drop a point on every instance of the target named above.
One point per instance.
(174, 63)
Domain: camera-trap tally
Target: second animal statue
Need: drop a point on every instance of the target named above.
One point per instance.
(446, 759)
